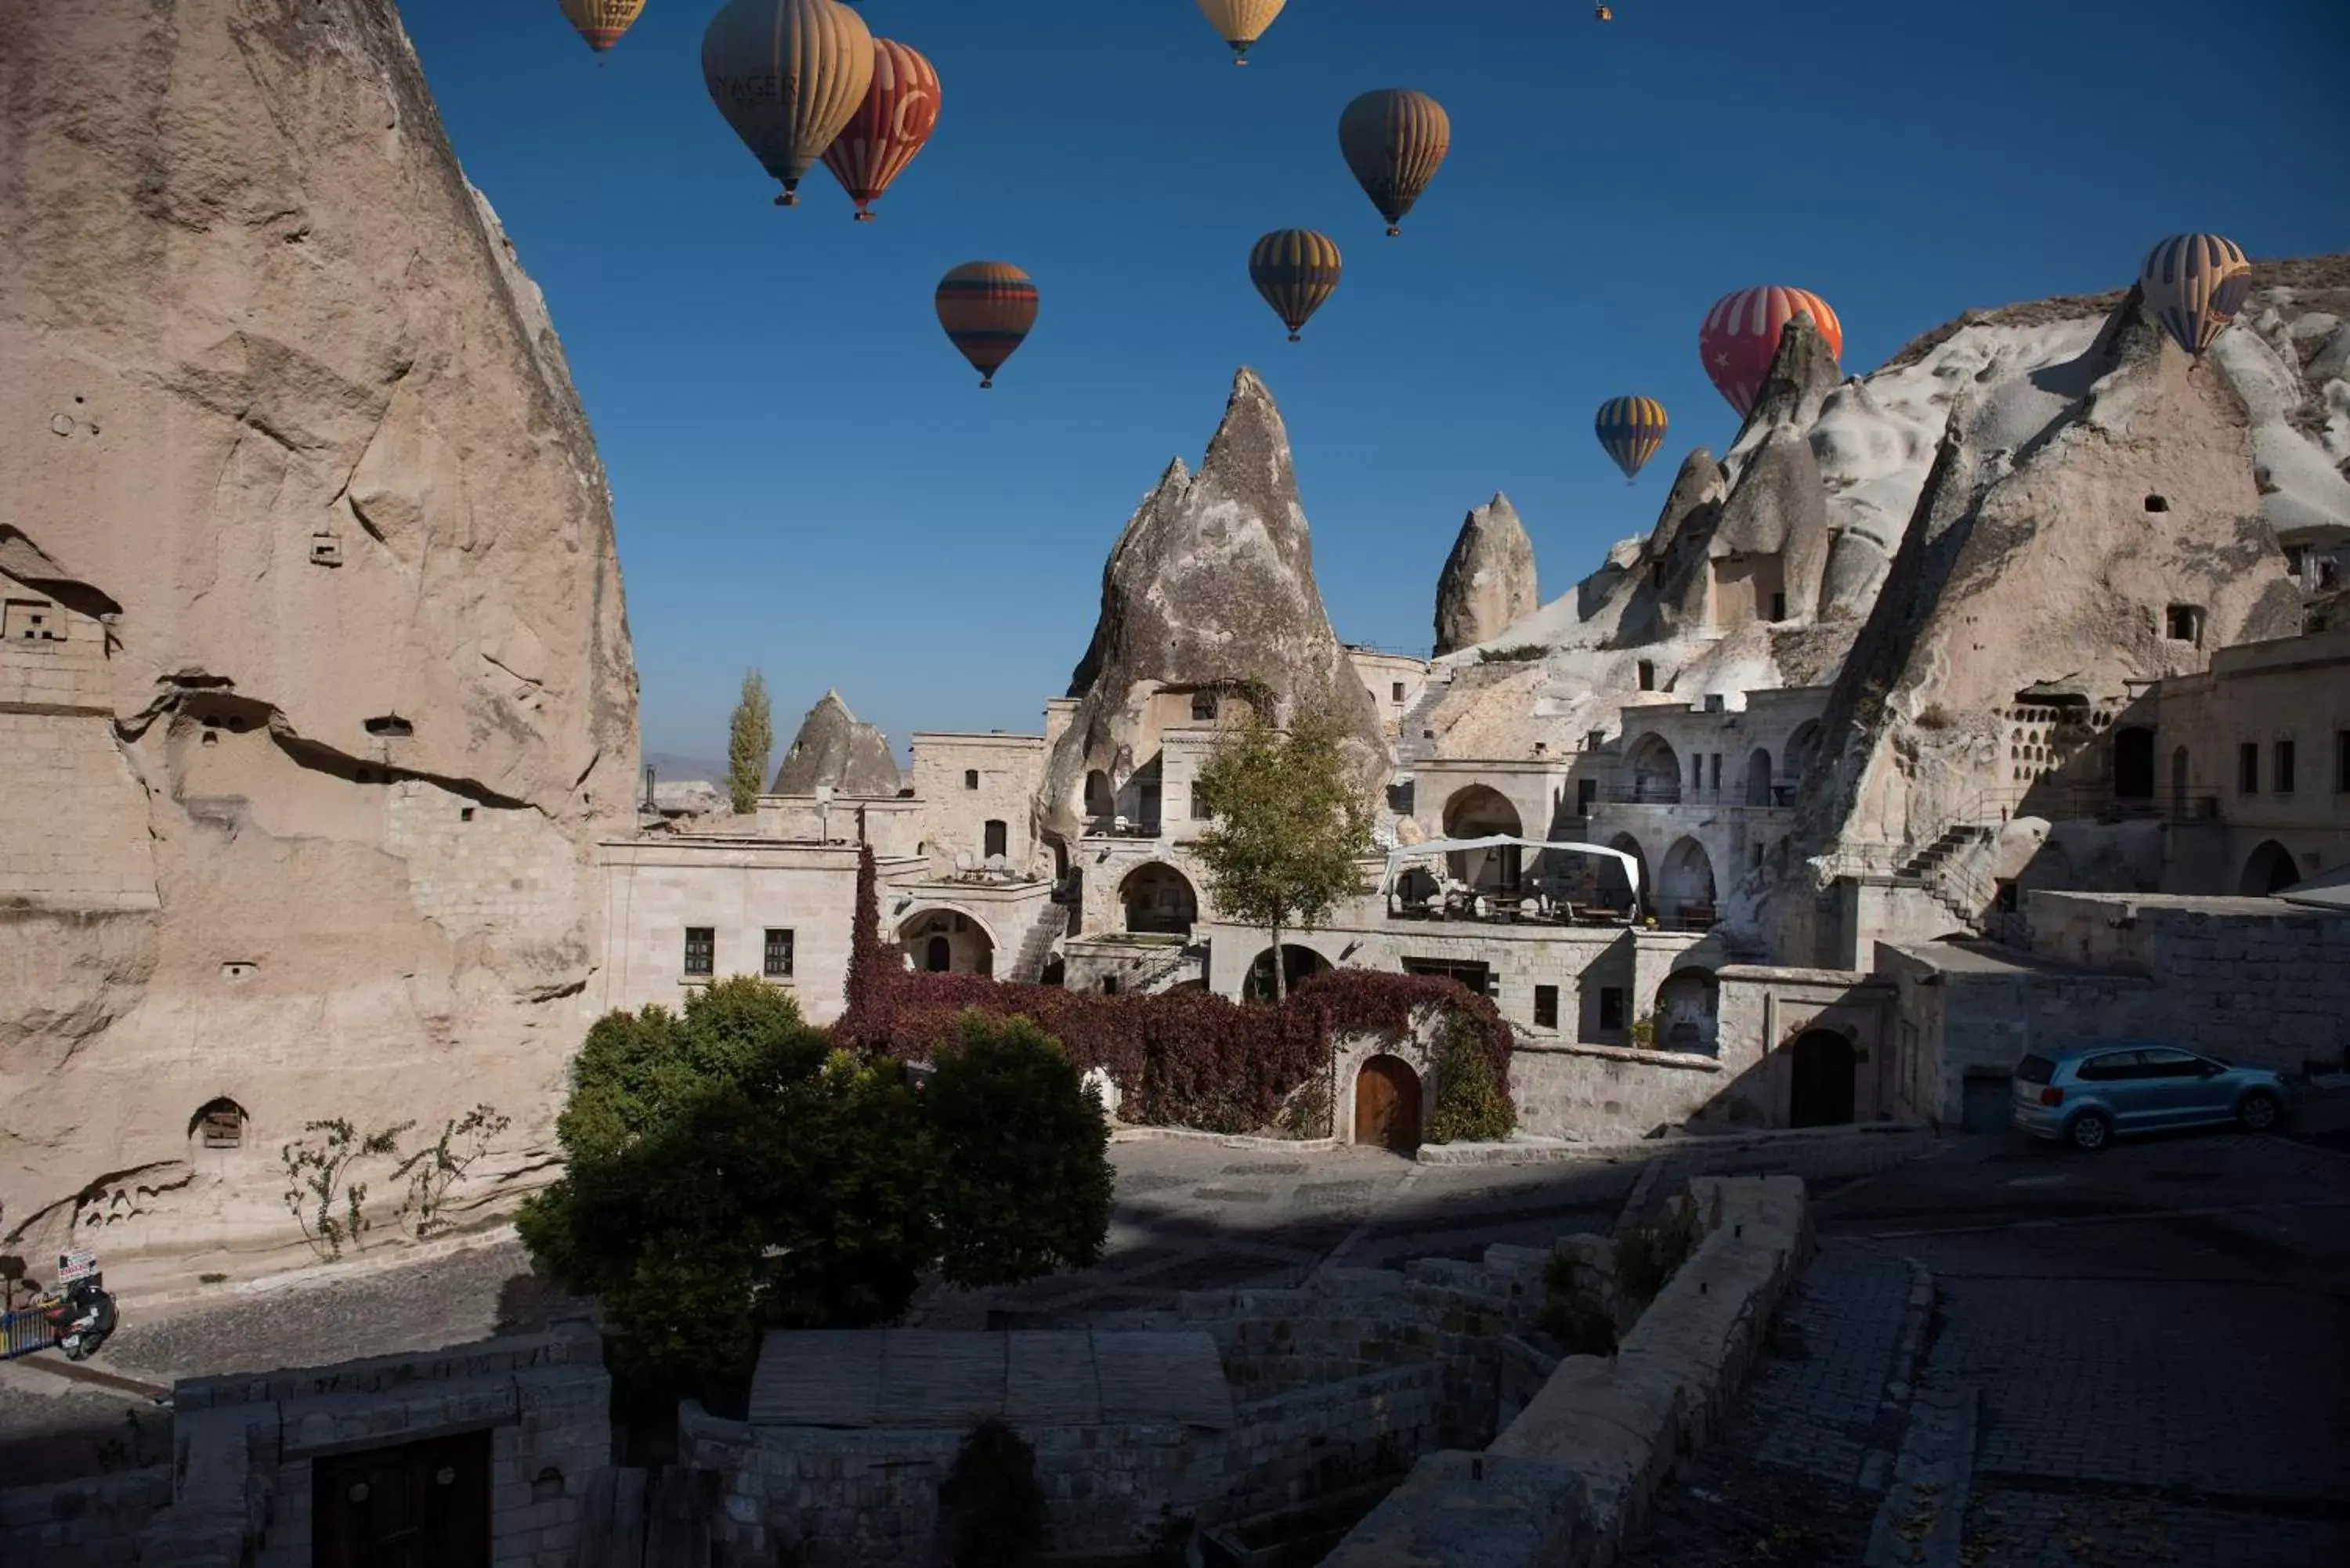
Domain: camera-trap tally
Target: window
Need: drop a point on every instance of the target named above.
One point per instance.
(2164, 1063)
(221, 1125)
(2248, 768)
(1611, 1007)
(971, 778)
(464, 813)
(778, 965)
(2296, 560)
(1477, 978)
(33, 621)
(995, 839)
(1713, 771)
(1697, 770)
(1395, 691)
(1109, 985)
(2156, 504)
(1203, 706)
(391, 725)
(1778, 606)
(701, 949)
(1545, 1007)
(2341, 762)
(1648, 676)
(2183, 623)
(2284, 785)
(2110, 1068)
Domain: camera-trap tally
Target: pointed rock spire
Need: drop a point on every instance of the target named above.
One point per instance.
(1488, 583)
(832, 748)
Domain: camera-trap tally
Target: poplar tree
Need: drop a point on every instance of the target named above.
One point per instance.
(750, 736)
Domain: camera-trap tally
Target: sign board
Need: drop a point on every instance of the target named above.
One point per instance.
(77, 1263)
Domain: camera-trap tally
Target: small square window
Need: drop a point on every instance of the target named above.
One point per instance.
(1611, 1007)
(465, 814)
(1203, 705)
(1648, 676)
(1545, 1007)
(1395, 692)
(1778, 606)
(2183, 623)
(778, 965)
(701, 950)
(971, 778)
(2284, 785)
(2248, 768)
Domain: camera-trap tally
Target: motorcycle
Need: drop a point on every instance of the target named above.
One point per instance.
(82, 1319)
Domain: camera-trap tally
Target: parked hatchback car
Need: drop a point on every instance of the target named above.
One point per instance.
(2087, 1094)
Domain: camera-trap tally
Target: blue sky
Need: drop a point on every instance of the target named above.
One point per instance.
(808, 479)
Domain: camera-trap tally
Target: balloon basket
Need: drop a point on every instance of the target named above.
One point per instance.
(863, 217)
(1293, 338)
(1393, 231)
(986, 383)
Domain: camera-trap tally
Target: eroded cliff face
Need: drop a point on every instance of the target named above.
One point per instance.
(1210, 586)
(356, 698)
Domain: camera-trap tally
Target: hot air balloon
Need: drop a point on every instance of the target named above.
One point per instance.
(1740, 334)
(2194, 284)
(987, 309)
(1631, 429)
(1296, 270)
(1394, 139)
(601, 22)
(898, 112)
(1242, 22)
(787, 74)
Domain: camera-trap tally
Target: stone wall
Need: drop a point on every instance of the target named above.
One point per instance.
(1610, 1091)
(955, 814)
(238, 1493)
(1573, 1474)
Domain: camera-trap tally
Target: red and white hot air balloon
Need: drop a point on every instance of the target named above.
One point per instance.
(899, 111)
(1740, 335)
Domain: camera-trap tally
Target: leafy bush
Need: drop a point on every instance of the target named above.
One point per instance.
(990, 1506)
(1649, 1254)
(326, 1200)
(1028, 1188)
(1522, 653)
(727, 1172)
(1472, 1102)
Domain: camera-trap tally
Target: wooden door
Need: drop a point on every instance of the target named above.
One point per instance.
(420, 1505)
(1386, 1105)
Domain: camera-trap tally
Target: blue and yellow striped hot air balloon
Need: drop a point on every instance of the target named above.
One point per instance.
(1296, 270)
(1631, 429)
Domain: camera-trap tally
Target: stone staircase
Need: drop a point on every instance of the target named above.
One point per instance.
(1411, 747)
(1926, 869)
(1036, 943)
(1164, 972)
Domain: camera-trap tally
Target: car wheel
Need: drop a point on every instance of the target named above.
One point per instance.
(2089, 1131)
(2257, 1111)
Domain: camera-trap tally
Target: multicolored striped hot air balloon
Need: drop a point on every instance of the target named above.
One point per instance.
(787, 74)
(1296, 270)
(1395, 139)
(1631, 429)
(601, 22)
(1242, 22)
(1741, 334)
(987, 309)
(2194, 284)
(899, 111)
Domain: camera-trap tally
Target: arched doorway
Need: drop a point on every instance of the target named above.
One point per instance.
(1655, 771)
(1297, 963)
(1803, 749)
(1100, 801)
(1685, 885)
(1386, 1105)
(1821, 1080)
(2269, 870)
(947, 941)
(1481, 812)
(1613, 886)
(2133, 763)
(1158, 899)
(1758, 777)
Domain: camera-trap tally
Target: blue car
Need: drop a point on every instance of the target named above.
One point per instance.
(2086, 1095)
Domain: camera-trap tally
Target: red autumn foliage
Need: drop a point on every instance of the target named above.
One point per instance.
(1183, 1058)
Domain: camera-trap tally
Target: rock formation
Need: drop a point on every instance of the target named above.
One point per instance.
(349, 692)
(1210, 584)
(1488, 582)
(832, 748)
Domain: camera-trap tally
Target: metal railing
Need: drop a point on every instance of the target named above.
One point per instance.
(1119, 827)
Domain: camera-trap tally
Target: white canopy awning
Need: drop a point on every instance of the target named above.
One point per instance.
(1399, 858)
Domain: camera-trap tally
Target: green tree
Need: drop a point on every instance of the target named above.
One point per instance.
(1026, 1187)
(750, 736)
(1291, 823)
(727, 1172)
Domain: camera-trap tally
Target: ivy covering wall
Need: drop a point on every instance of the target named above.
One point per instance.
(1182, 1058)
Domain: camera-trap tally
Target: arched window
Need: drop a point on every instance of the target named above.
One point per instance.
(218, 1124)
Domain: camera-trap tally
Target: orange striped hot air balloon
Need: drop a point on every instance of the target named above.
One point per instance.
(601, 22)
(1740, 337)
(1630, 430)
(1242, 22)
(787, 74)
(899, 111)
(2194, 284)
(1296, 270)
(987, 309)
(1395, 139)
